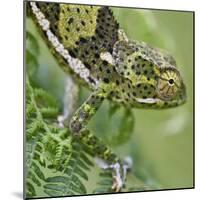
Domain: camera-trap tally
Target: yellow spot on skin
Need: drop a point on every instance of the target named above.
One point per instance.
(89, 109)
(84, 31)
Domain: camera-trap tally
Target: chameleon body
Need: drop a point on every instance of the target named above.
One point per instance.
(88, 43)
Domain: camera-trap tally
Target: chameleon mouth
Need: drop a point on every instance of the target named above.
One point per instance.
(147, 100)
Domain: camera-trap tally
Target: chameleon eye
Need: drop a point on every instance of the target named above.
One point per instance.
(171, 81)
(168, 84)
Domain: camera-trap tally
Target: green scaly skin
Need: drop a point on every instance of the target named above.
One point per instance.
(129, 73)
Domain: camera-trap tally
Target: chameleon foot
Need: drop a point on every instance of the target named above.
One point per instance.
(119, 171)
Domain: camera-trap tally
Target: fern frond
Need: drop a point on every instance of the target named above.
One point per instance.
(56, 162)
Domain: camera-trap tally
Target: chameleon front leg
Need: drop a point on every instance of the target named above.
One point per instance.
(87, 110)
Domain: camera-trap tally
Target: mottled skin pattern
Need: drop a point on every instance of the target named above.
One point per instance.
(135, 75)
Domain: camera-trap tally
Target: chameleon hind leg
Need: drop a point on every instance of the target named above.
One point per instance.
(107, 160)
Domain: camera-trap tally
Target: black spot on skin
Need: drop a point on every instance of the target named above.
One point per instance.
(144, 97)
(138, 73)
(78, 29)
(152, 72)
(71, 53)
(145, 72)
(86, 11)
(67, 29)
(123, 90)
(117, 82)
(87, 65)
(111, 93)
(78, 10)
(82, 40)
(71, 19)
(108, 71)
(145, 87)
(83, 23)
(106, 80)
(93, 38)
(148, 79)
(91, 80)
(105, 62)
(96, 55)
(101, 36)
(138, 85)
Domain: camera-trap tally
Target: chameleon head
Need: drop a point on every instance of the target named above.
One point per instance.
(156, 82)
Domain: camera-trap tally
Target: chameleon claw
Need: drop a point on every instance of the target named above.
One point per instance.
(117, 178)
(119, 171)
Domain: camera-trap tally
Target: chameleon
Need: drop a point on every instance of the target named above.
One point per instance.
(89, 44)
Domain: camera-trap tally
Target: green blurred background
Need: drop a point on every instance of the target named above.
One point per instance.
(161, 144)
